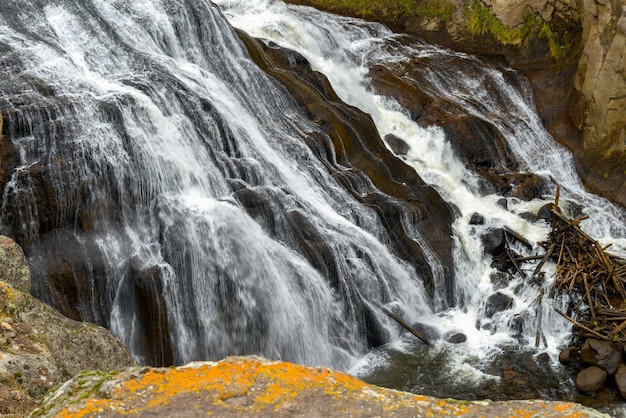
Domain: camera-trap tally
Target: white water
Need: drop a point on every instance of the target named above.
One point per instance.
(169, 119)
(158, 109)
(343, 49)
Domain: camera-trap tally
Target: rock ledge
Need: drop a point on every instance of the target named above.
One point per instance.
(252, 386)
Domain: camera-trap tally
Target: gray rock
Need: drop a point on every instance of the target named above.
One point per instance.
(497, 302)
(601, 354)
(13, 267)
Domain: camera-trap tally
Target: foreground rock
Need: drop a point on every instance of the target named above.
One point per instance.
(239, 386)
(40, 348)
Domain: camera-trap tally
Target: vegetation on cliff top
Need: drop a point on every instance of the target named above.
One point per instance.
(474, 16)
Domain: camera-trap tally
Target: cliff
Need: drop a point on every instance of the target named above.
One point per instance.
(39, 347)
(572, 51)
(239, 386)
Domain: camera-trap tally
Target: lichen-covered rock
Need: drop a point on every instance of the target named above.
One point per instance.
(39, 347)
(13, 267)
(240, 386)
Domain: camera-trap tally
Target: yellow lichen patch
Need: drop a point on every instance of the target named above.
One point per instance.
(253, 387)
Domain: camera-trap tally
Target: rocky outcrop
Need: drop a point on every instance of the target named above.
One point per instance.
(39, 347)
(598, 107)
(239, 386)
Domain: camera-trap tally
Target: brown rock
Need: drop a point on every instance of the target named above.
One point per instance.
(590, 379)
(237, 387)
(569, 355)
(602, 354)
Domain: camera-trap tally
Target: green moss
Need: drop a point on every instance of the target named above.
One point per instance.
(558, 50)
(435, 9)
(481, 21)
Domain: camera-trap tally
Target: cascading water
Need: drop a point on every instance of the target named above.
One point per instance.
(155, 160)
(345, 50)
(159, 157)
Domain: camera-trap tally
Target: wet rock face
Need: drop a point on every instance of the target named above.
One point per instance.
(239, 386)
(353, 142)
(477, 143)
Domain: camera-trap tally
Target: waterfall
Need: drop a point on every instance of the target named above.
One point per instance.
(345, 50)
(165, 189)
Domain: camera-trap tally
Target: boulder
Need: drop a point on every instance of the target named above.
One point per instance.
(456, 338)
(497, 302)
(602, 354)
(590, 379)
(494, 241)
(397, 144)
(569, 355)
(429, 332)
(252, 386)
(40, 348)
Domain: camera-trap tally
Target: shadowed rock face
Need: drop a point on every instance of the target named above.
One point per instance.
(357, 157)
(239, 386)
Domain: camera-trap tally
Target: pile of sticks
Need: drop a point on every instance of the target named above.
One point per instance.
(594, 278)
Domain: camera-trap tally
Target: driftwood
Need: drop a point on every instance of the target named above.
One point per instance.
(404, 324)
(590, 275)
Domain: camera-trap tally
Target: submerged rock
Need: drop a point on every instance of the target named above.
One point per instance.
(240, 386)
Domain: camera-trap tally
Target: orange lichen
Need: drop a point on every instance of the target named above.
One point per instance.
(272, 386)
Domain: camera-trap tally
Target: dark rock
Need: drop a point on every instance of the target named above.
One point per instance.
(569, 355)
(620, 380)
(151, 310)
(494, 241)
(456, 338)
(428, 331)
(397, 144)
(499, 279)
(497, 302)
(529, 216)
(602, 354)
(590, 379)
(546, 211)
(503, 203)
(477, 219)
